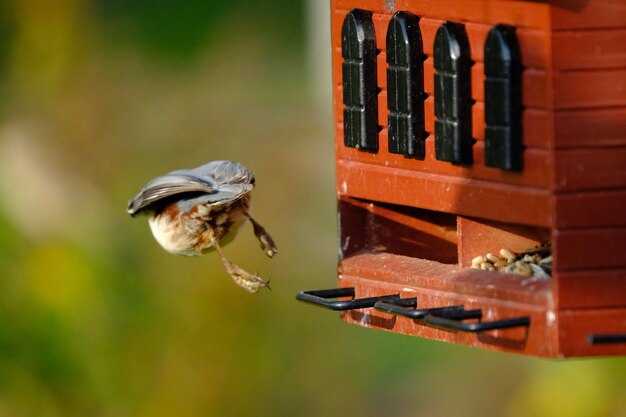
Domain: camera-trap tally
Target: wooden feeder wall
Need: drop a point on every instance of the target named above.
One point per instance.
(463, 127)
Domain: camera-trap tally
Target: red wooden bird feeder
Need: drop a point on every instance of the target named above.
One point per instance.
(467, 128)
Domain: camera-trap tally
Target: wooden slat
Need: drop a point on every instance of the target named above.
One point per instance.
(589, 89)
(587, 209)
(439, 277)
(536, 174)
(336, 22)
(429, 28)
(337, 74)
(499, 296)
(590, 128)
(589, 248)
(575, 326)
(534, 48)
(588, 14)
(589, 49)
(588, 169)
(517, 13)
(534, 44)
(595, 288)
(537, 128)
(381, 22)
(470, 197)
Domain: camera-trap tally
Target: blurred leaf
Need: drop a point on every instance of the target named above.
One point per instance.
(570, 389)
(46, 46)
(180, 29)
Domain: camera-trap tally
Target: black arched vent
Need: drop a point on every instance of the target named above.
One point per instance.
(453, 95)
(405, 86)
(503, 99)
(360, 113)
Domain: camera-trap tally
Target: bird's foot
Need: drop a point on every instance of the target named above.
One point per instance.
(249, 282)
(267, 243)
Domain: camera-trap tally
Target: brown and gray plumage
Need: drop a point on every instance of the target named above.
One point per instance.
(195, 211)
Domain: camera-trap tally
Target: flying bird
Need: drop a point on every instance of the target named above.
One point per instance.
(195, 211)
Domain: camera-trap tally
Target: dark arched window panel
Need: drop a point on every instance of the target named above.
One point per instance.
(405, 86)
(503, 99)
(360, 90)
(453, 95)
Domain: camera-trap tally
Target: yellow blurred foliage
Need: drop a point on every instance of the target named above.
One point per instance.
(573, 389)
(47, 45)
(60, 278)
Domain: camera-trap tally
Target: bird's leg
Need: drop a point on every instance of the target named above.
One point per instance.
(247, 281)
(267, 243)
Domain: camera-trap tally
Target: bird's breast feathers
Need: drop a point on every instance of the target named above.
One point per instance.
(171, 234)
(192, 233)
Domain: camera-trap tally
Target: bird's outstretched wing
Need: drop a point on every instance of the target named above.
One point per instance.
(223, 172)
(216, 182)
(167, 186)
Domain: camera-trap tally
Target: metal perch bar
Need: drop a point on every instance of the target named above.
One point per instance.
(321, 298)
(605, 339)
(456, 325)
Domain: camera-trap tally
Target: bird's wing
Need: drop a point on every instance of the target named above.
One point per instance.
(225, 195)
(169, 185)
(224, 172)
(218, 182)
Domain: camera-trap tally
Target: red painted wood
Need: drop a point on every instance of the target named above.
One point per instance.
(575, 326)
(589, 89)
(421, 273)
(589, 169)
(589, 128)
(593, 208)
(449, 194)
(590, 49)
(537, 128)
(399, 230)
(533, 45)
(588, 14)
(517, 340)
(536, 175)
(591, 288)
(478, 237)
(521, 14)
(589, 248)
(435, 285)
(553, 333)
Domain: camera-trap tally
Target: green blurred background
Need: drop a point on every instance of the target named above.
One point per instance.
(97, 97)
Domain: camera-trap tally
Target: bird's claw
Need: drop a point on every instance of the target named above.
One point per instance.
(268, 247)
(249, 282)
(267, 243)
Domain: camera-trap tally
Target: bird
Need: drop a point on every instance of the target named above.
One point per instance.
(196, 211)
